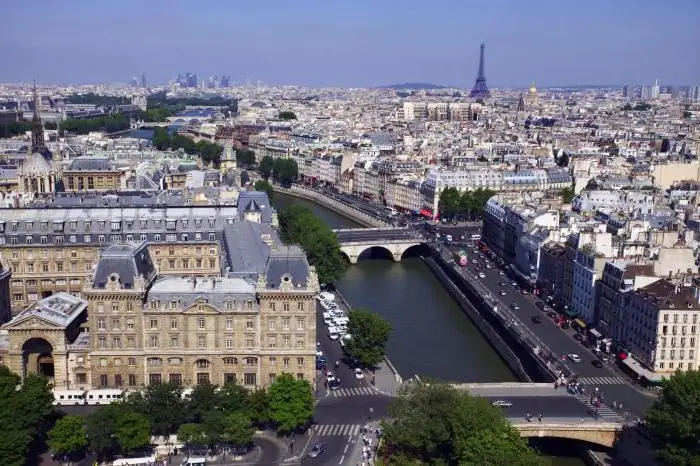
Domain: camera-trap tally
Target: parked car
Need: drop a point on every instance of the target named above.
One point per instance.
(317, 450)
(359, 374)
(502, 404)
(597, 363)
(537, 319)
(574, 357)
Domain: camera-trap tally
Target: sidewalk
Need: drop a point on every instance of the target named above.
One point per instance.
(365, 447)
(385, 380)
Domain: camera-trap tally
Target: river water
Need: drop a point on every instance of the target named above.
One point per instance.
(431, 335)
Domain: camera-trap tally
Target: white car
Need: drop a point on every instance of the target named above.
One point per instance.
(502, 404)
(574, 357)
(481, 275)
(358, 373)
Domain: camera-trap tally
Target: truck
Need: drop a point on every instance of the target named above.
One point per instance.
(461, 258)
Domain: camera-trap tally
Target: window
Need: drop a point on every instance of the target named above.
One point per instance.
(286, 341)
(154, 324)
(251, 361)
(102, 342)
(100, 324)
(129, 324)
(202, 364)
(249, 325)
(285, 323)
(201, 341)
(132, 380)
(116, 341)
(285, 362)
(154, 361)
(103, 380)
(300, 324)
(174, 341)
(155, 379)
(300, 376)
(154, 341)
(272, 378)
(229, 343)
(300, 362)
(81, 378)
(230, 361)
(118, 380)
(175, 379)
(173, 324)
(200, 324)
(249, 342)
(272, 306)
(115, 324)
(285, 307)
(229, 377)
(132, 362)
(202, 378)
(300, 306)
(249, 378)
(271, 324)
(131, 342)
(229, 324)
(300, 342)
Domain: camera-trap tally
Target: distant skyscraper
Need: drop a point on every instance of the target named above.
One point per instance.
(225, 80)
(626, 91)
(655, 90)
(191, 80)
(143, 80)
(480, 90)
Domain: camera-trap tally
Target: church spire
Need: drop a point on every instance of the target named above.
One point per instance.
(38, 142)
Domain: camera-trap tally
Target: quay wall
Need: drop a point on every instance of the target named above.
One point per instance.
(354, 214)
(504, 351)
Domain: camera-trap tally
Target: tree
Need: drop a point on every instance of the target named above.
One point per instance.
(213, 427)
(245, 157)
(369, 334)
(449, 202)
(264, 186)
(287, 115)
(101, 430)
(259, 407)
(238, 429)
(161, 138)
(190, 434)
(437, 424)
(285, 171)
(298, 225)
(202, 400)
(133, 431)
(23, 414)
(67, 437)
(674, 420)
(162, 404)
(291, 403)
(233, 397)
(266, 166)
(567, 195)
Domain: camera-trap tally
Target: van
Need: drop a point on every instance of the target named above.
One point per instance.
(199, 461)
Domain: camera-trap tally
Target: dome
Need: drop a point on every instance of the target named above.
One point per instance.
(533, 89)
(36, 163)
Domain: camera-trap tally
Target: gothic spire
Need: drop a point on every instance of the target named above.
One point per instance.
(38, 143)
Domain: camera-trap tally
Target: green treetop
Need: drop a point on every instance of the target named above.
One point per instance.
(67, 437)
(369, 333)
(291, 403)
(674, 420)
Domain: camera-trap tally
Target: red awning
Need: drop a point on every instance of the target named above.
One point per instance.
(426, 213)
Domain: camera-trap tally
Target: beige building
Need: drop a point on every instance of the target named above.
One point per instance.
(133, 326)
(91, 174)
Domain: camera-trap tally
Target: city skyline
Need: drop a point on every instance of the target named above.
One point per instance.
(359, 45)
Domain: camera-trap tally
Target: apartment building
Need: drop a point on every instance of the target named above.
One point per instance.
(133, 326)
(91, 174)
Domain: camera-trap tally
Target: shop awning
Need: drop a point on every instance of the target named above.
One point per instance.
(595, 333)
(570, 313)
(580, 323)
(642, 371)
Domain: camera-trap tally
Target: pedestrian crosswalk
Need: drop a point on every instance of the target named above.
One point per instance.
(592, 381)
(337, 429)
(603, 411)
(353, 391)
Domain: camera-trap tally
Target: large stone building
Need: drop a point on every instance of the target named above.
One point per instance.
(133, 326)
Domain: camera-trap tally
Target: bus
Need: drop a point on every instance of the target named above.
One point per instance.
(142, 461)
(68, 397)
(104, 396)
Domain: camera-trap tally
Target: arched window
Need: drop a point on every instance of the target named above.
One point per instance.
(202, 364)
(230, 361)
(175, 361)
(154, 361)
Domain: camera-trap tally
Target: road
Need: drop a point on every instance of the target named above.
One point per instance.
(611, 383)
(360, 236)
(549, 407)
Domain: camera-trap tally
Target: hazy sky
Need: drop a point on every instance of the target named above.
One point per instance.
(353, 42)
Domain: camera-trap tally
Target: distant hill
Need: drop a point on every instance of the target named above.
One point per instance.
(413, 86)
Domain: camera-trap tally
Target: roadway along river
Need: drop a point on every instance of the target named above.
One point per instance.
(432, 337)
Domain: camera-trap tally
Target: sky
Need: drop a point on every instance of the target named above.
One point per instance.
(353, 43)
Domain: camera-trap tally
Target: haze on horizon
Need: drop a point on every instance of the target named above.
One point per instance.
(354, 43)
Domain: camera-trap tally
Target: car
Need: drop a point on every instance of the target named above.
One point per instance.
(502, 404)
(573, 357)
(359, 374)
(597, 363)
(515, 307)
(317, 450)
(524, 291)
(334, 384)
(514, 283)
(502, 284)
(578, 337)
(481, 275)
(537, 319)
(503, 292)
(540, 305)
(502, 273)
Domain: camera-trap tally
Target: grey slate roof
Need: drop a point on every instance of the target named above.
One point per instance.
(245, 253)
(127, 261)
(218, 291)
(60, 309)
(261, 202)
(287, 263)
(90, 164)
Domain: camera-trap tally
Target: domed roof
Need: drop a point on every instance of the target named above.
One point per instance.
(36, 163)
(533, 89)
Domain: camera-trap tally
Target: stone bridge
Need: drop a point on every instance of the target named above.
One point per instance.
(355, 241)
(600, 433)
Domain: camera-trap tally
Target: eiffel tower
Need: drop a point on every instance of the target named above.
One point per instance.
(480, 91)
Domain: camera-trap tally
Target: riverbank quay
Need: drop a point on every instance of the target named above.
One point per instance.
(384, 378)
(532, 355)
(345, 209)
